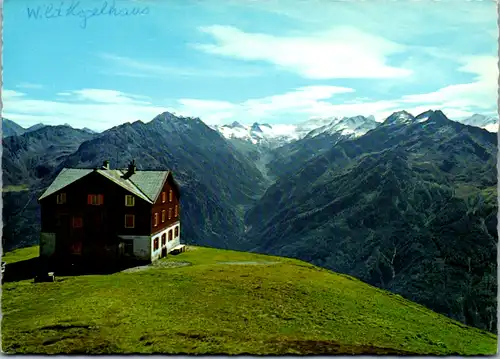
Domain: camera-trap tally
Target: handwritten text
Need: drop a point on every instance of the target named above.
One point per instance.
(75, 9)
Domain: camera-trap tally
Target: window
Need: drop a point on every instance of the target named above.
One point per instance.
(163, 239)
(95, 199)
(156, 245)
(169, 235)
(155, 220)
(163, 216)
(129, 221)
(170, 196)
(170, 213)
(77, 222)
(176, 211)
(176, 232)
(61, 198)
(129, 200)
(163, 197)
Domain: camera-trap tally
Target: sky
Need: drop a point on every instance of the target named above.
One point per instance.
(97, 63)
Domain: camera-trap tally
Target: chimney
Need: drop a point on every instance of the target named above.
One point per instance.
(131, 168)
(105, 165)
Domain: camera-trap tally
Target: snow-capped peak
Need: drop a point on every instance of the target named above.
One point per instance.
(255, 127)
(424, 116)
(278, 134)
(235, 124)
(489, 123)
(400, 117)
(348, 126)
(263, 134)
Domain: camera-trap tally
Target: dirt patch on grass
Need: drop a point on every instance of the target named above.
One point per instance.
(65, 327)
(247, 263)
(329, 347)
(159, 264)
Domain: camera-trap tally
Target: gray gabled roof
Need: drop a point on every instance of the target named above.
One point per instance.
(144, 184)
(64, 178)
(149, 182)
(116, 177)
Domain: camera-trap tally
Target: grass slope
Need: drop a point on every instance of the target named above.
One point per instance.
(223, 302)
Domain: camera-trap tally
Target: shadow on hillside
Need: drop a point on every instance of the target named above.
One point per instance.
(77, 269)
(28, 269)
(21, 270)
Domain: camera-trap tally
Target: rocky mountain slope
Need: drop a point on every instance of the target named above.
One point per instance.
(10, 128)
(292, 156)
(29, 162)
(410, 207)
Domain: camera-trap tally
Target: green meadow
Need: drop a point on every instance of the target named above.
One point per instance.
(211, 301)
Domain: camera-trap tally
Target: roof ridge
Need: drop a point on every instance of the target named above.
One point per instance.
(108, 175)
(162, 183)
(136, 186)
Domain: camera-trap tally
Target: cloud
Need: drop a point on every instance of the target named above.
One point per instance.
(457, 101)
(397, 20)
(299, 101)
(143, 68)
(342, 52)
(11, 94)
(28, 85)
(103, 108)
(482, 93)
(109, 97)
(93, 108)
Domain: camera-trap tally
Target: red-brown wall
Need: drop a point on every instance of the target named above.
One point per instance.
(159, 206)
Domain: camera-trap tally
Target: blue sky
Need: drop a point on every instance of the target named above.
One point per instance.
(251, 61)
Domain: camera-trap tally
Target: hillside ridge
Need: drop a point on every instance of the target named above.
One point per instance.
(223, 302)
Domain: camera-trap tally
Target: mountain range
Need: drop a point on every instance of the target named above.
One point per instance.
(410, 206)
(407, 204)
(276, 135)
(10, 128)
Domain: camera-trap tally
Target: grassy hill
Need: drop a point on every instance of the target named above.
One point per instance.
(207, 301)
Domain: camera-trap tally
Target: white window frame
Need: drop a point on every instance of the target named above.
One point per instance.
(132, 200)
